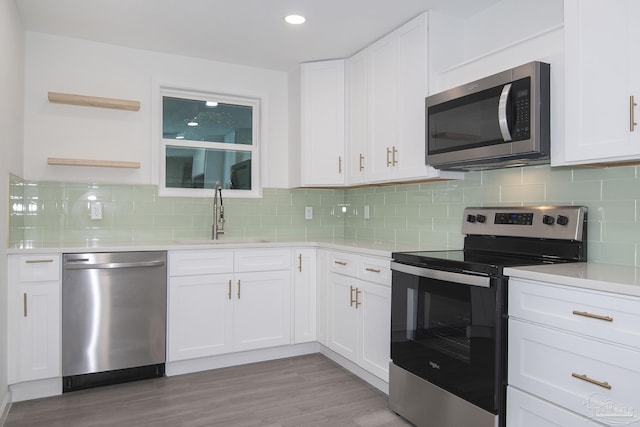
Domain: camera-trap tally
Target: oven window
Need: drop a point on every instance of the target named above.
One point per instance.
(446, 333)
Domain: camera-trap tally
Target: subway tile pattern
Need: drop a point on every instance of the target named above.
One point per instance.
(419, 216)
(429, 215)
(50, 212)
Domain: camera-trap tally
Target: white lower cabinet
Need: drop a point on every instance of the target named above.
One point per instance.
(343, 316)
(200, 316)
(34, 317)
(304, 294)
(262, 308)
(374, 328)
(525, 410)
(359, 310)
(211, 314)
(574, 348)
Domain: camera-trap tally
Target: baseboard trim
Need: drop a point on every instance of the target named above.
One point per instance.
(5, 406)
(350, 366)
(241, 358)
(36, 389)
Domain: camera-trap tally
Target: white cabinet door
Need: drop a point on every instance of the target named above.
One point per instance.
(342, 315)
(323, 123)
(602, 73)
(200, 316)
(525, 410)
(412, 90)
(383, 107)
(33, 317)
(374, 328)
(39, 331)
(304, 295)
(322, 298)
(357, 121)
(262, 310)
(398, 77)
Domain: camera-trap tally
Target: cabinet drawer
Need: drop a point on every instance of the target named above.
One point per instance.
(343, 263)
(376, 270)
(525, 410)
(547, 362)
(191, 263)
(607, 316)
(262, 260)
(38, 268)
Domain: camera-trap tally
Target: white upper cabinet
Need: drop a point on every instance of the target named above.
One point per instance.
(602, 76)
(357, 120)
(398, 85)
(323, 123)
(376, 119)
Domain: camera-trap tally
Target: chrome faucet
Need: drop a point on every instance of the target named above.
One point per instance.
(218, 213)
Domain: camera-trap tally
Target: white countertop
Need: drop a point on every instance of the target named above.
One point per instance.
(620, 279)
(372, 248)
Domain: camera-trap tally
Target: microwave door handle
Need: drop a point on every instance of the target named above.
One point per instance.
(502, 113)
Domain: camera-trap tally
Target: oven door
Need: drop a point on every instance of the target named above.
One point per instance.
(448, 328)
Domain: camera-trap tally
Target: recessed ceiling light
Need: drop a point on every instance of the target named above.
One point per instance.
(211, 104)
(179, 136)
(192, 123)
(295, 19)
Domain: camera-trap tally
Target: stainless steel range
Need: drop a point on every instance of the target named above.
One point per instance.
(448, 312)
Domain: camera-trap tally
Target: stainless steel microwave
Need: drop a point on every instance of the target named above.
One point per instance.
(498, 121)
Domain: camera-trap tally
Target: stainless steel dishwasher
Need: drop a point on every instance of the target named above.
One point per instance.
(114, 309)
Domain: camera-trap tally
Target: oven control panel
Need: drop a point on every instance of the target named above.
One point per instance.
(547, 222)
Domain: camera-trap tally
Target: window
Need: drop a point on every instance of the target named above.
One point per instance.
(208, 139)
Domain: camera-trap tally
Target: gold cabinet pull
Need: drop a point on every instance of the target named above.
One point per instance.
(393, 156)
(37, 261)
(340, 262)
(593, 316)
(229, 294)
(358, 303)
(351, 300)
(361, 163)
(339, 164)
(238, 289)
(300, 262)
(388, 157)
(24, 298)
(584, 377)
(372, 270)
(632, 119)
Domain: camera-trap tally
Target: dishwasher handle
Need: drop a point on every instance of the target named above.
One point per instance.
(110, 265)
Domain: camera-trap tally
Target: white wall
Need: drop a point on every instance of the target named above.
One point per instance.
(494, 40)
(11, 119)
(59, 64)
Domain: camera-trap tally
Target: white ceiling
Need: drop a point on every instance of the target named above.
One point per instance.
(247, 32)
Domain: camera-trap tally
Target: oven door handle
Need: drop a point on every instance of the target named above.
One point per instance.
(447, 276)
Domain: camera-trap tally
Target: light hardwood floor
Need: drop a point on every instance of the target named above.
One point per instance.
(308, 390)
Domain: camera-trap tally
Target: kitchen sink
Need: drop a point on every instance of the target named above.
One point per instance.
(218, 241)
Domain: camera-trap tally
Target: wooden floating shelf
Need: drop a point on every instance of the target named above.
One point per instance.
(95, 163)
(93, 101)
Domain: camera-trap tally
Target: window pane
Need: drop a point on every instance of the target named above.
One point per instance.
(202, 168)
(196, 121)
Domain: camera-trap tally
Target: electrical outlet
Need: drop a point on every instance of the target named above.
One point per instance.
(95, 210)
(308, 212)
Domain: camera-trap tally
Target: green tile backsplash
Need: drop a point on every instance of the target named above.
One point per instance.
(407, 216)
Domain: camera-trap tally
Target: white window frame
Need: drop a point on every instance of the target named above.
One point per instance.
(254, 148)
